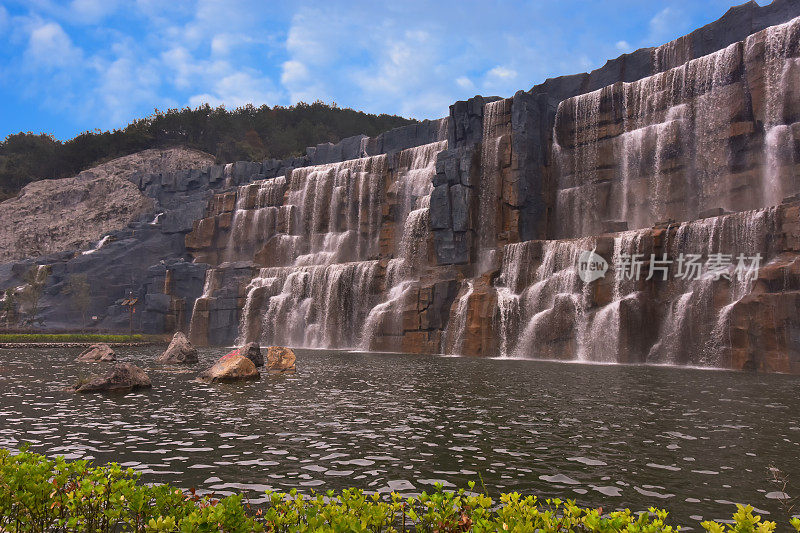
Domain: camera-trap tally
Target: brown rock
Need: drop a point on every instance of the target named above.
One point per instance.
(124, 377)
(97, 353)
(280, 359)
(231, 367)
(179, 351)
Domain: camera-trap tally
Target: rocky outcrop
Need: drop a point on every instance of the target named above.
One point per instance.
(280, 359)
(180, 351)
(231, 367)
(124, 377)
(97, 353)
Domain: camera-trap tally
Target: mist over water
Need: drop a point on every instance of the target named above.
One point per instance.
(692, 441)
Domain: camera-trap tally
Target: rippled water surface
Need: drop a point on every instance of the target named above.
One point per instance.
(691, 441)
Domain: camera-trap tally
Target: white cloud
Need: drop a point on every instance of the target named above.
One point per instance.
(666, 25)
(238, 89)
(623, 46)
(49, 46)
(465, 83)
(501, 73)
(92, 11)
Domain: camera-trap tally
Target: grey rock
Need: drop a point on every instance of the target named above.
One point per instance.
(97, 353)
(179, 351)
(459, 200)
(440, 208)
(124, 377)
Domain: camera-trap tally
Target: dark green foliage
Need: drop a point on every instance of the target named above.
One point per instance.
(39, 494)
(247, 133)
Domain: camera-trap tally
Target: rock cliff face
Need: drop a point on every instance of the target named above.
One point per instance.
(469, 234)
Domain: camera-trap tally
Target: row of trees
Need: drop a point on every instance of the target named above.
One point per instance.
(22, 304)
(246, 133)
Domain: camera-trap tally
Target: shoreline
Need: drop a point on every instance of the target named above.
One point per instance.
(84, 344)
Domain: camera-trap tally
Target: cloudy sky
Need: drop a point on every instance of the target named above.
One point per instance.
(71, 66)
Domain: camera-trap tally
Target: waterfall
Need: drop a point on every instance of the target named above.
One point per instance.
(257, 217)
(319, 231)
(102, 242)
(635, 154)
(496, 124)
(413, 186)
(780, 74)
(197, 323)
(455, 333)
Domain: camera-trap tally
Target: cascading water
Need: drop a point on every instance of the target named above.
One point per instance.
(455, 333)
(780, 74)
(317, 295)
(413, 186)
(496, 125)
(670, 154)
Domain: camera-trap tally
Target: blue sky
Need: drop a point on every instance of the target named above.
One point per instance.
(72, 66)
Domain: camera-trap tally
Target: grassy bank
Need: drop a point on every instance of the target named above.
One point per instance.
(7, 338)
(38, 494)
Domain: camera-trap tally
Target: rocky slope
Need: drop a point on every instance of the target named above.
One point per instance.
(56, 215)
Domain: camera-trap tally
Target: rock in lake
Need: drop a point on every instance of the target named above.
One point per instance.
(97, 353)
(231, 367)
(124, 377)
(180, 351)
(252, 351)
(280, 359)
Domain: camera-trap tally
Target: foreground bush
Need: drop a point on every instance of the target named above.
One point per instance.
(38, 494)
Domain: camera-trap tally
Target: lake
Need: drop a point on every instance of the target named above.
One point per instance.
(692, 441)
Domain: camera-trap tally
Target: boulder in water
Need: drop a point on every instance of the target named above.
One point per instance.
(280, 359)
(231, 367)
(97, 353)
(180, 351)
(124, 377)
(252, 351)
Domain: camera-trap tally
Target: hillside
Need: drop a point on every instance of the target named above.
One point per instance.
(247, 133)
(55, 215)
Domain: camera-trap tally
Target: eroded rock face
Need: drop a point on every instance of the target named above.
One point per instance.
(280, 359)
(97, 353)
(124, 377)
(231, 367)
(179, 351)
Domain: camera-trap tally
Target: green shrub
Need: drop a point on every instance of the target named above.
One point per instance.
(38, 494)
